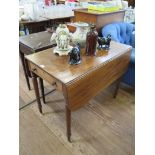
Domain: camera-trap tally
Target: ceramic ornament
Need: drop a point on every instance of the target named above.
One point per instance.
(62, 38)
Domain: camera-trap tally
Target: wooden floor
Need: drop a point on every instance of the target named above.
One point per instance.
(105, 126)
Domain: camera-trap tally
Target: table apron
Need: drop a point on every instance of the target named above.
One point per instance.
(45, 76)
(25, 49)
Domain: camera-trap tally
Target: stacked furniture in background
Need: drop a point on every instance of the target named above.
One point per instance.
(124, 33)
(30, 44)
(98, 18)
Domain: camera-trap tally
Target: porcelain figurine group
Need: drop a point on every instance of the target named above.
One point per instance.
(62, 37)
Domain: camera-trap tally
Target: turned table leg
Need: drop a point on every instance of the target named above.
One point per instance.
(117, 87)
(68, 123)
(24, 68)
(35, 85)
(42, 89)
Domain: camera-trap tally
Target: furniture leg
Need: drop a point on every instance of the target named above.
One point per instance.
(35, 85)
(27, 68)
(68, 123)
(117, 87)
(24, 68)
(42, 89)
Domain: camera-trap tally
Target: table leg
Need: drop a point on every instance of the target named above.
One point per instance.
(35, 85)
(24, 68)
(117, 87)
(27, 68)
(68, 123)
(42, 89)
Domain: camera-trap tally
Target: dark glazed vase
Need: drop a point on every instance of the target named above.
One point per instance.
(91, 41)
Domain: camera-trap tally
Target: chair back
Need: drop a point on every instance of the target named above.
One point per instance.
(121, 32)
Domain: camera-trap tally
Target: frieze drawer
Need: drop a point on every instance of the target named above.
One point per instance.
(38, 71)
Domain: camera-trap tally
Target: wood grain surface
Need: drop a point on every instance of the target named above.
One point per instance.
(96, 12)
(104, 126)
(81, 82)
(88, 86)
(98, 18)
(40, 140)
(60, 69)
(35, 42)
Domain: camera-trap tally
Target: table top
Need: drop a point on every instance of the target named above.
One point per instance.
(37, 41)
(59, 68)
(93, 12)
(44, 19)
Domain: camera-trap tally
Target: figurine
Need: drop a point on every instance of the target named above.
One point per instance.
(62, 38)
(91, 41)
(74, 55)
(104, 42)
